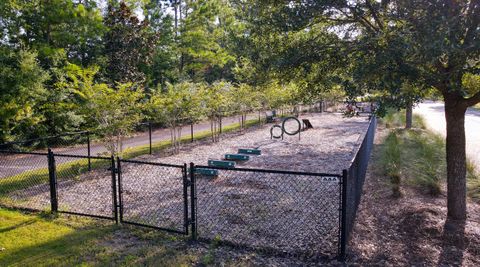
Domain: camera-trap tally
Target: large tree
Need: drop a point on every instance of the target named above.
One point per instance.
(129, 44)
(384, 44)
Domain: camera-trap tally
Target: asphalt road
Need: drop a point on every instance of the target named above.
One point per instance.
(14, 165)
(434, 115)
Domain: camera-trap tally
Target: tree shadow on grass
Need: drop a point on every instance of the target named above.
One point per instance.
(13, 227)
(68, 249)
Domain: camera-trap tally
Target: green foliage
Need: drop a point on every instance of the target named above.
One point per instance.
(473, 180)
(129, 44)
(117, 112)
(21, 88)
(392, 162)
(199, 63)
(417, 157)
(179, 105)
(202, 39)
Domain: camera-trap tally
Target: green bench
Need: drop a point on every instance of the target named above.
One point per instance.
(249, 151)
(221, 163)
(206, 172)
(236, 157)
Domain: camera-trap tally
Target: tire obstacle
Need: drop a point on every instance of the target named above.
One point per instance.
(284, 130)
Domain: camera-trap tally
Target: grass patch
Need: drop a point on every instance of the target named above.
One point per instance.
(39, 240)
(391, 162)
(28, 239)
(417, 157)
(397, 119)
(36, 240)
(68, 170)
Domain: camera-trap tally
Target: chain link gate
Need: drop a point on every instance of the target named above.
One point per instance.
(153, 195)
(84, 185)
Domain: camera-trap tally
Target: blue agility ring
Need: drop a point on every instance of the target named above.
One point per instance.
(291, 118)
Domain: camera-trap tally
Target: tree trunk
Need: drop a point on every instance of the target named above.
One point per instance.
(456, 158)
(409, 116)
(176, 17)
(211, 130)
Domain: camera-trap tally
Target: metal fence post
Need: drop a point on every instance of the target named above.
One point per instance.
(193, 198)
(53, 181)
(343, 222)
(185, 196)
(114, 189)
(150, 136)
(88, 151)
(120, 189)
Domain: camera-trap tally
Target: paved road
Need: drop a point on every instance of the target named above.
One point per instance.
(10, 166)
(434, 115)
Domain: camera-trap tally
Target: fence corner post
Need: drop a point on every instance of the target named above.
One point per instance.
(115, 171)
(120, 189)
(52, 175)
(193, 198)
(343, 222)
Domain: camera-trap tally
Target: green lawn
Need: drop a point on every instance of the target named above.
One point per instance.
(32, 239)
(38, 240)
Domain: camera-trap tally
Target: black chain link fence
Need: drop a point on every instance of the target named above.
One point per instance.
(273, 211)
(153, 195)
(281, 212)
(24, 179)
(84, 191)
(354, 179)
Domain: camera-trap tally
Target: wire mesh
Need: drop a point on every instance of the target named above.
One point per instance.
(24, 180)
(275, 212)
(153, 195)
(81, 191)
(69, 143)
(356, 176)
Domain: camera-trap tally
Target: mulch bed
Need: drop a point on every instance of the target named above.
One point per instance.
(411, 230)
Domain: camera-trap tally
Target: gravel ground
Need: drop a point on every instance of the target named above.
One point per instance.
(328, 148)
(286, 213)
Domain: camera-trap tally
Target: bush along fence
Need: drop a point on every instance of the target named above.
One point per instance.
(300, 214)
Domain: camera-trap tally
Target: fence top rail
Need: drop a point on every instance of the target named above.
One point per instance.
(270, 171)
(43, 138)
(80, 156)
(23, 152)
(362, 138)
(151, 163)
